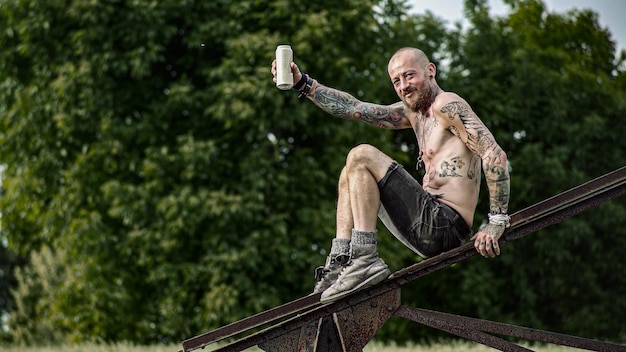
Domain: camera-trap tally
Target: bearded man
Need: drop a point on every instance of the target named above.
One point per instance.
(429, 218)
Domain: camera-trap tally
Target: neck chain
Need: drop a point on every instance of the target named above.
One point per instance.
(420, 161)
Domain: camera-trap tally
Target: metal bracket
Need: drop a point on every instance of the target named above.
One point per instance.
(347, 330)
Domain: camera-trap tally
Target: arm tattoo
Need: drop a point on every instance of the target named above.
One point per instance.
(344, 105)
(479, 139)
(481, 142)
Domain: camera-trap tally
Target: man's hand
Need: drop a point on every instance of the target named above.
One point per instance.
(486, 240)
(297, 75)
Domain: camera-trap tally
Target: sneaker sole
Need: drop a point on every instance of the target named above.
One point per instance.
(371, 281)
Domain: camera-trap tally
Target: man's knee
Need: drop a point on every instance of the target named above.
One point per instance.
(361, 155)
(370, 158)
(343, 177)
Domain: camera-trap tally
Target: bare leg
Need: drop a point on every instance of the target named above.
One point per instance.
(359, 197)
(357, 214)
(345, 221)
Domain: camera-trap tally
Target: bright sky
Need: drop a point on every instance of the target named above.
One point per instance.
(611, 12)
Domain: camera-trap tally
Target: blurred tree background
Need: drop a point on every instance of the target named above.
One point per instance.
(158, 185)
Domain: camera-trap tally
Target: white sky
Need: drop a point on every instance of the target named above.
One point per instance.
(611, 13)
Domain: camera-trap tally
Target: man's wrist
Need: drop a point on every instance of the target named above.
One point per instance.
(306, 86)
(301, 82)
(499, 219)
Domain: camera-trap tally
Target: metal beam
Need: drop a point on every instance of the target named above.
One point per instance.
(475, 329)
(308, 309)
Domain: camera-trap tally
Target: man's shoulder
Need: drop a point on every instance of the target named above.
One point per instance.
(445, 98)
(449, 104)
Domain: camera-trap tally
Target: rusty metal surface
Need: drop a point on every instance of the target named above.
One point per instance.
(358, 323)
(536, 217)
(579, 193)
(328, 338)
(457, 328)
(303, 340)
(475, 330)
(296, 322)
(254, 321)
(568, 203)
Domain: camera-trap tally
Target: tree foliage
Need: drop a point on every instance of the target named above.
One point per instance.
(169, 188)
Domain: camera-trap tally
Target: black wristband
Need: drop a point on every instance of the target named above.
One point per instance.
(307, 87)
(300, 83)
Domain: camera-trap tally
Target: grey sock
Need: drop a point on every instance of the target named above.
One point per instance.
(364, 237)
(340, 246)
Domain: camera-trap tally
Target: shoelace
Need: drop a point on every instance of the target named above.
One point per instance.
(341, 259)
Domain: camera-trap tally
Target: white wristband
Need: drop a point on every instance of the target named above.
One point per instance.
(499, 219)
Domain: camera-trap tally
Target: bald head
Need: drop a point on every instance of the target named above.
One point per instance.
(417, 55)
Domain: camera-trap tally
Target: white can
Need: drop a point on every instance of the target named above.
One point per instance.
(284, 57)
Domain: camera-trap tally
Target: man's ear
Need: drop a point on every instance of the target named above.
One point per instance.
(432, 69)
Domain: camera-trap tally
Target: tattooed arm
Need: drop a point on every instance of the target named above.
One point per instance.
(465, 124)
(344, 105)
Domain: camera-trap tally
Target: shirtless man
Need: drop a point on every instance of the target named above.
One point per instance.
(429, 219)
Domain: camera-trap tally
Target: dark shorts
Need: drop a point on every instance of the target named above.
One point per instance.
(422, 223)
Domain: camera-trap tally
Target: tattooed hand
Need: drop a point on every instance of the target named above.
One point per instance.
(486, 240)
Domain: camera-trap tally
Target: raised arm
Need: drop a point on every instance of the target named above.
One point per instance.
(344, 105)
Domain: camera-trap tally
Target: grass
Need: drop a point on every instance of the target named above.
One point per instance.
(372, 347)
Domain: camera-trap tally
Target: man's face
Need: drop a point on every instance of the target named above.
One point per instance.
(411, 82)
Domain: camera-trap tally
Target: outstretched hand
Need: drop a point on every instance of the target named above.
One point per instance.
(294, 69)
(486, 240)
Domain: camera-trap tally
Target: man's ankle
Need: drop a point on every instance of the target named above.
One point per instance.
(364, 237)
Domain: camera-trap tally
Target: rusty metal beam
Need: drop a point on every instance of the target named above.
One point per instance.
(455, 327)
(307, 309)
(254, 321)
(475, 329)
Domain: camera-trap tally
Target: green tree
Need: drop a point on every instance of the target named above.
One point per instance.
(147, 147)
